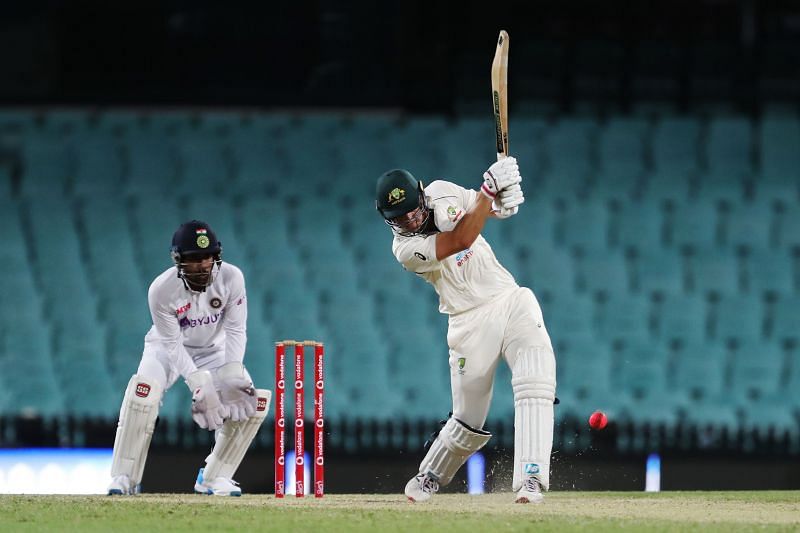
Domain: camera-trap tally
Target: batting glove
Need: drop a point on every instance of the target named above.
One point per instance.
(499, 176)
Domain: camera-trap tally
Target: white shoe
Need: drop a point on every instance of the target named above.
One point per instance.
(217, 487)
(421, 487)
(531, 491)
(122, 485)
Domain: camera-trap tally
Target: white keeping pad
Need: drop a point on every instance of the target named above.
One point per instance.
(233, 440)
(137, 420)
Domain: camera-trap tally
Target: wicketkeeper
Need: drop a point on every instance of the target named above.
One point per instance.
(437, 236)
(199, 312)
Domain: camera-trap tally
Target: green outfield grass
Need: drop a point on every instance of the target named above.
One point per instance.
(562, 511)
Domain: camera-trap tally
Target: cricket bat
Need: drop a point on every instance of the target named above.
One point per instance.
(500, 94)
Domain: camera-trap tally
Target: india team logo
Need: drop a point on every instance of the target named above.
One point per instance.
(202, 238)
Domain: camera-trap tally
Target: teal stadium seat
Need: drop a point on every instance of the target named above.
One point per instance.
(757, 370)
(602, 271)
(533, 227)
(624, 317)
(769, 272)
(27, 370)
(788, 226)
(467, 154)
(204, 164)
(585, 225)
(658, 271)
(719, 186)
(377, 268)
(730, 145)
(568, 145)
(738, 318)
(641, 377)
(700, 373)
(99, 168)
(586, 387)
(6, 185)
(784, 321)
(675, 145)
(410, 147)
(700, 369)
(750, 226)
(569, 319)
(667, 187)
(526, 144)
(621, 157)
(638, 225)
(779, 137)
(551, 272)
(713, 272)
(152, 165)
(365, 156)
(694, 225)
(256, 165)
(154, 218)
(418, 372)
(682, 318)
(47, 164)
(106, 235)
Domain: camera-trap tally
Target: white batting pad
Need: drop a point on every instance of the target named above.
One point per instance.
(233, 440)
(453, 446)
(534, 383)
(137, 420)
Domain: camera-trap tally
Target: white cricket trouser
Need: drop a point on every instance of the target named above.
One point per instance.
(479, 337)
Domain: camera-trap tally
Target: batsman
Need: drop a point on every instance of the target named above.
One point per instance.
(437, 235)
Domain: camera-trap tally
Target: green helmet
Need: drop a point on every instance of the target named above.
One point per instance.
(397, 193)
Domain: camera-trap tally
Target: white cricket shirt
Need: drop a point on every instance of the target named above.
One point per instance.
(190, 325)
(465, 279)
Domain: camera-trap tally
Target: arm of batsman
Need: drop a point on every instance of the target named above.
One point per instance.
(499, 176)
(237, 390)
(208, 411)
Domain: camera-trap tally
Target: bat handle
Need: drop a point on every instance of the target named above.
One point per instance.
(501, 156)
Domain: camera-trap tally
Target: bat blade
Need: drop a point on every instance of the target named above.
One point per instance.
(500, 94)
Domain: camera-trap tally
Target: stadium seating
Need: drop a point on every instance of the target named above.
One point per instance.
(662, 250)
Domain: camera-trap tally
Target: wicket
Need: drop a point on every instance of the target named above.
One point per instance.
(299, 414)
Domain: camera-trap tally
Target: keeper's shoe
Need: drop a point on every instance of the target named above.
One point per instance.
(531, 491)
(216, 487)
(421, 487)
(122, 485)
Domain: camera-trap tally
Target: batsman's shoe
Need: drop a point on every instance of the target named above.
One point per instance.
(531, 491)
(421, 487)
(216, 487)
(121, 485)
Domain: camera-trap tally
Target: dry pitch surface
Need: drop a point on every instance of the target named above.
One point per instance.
(562, 511)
